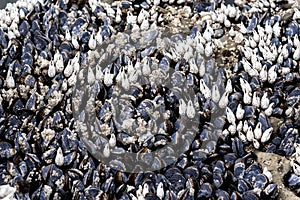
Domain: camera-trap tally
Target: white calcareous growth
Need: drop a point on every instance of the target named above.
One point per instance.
(7, 192)
(193, 67)
(68, 36)
(256, 144)
(118, 15)
(139, 193)
(59, 158)
(190, 110)
(92, 41)
(228, 87)
(239, 112)
(69, 69)
(141, 16)
(99, 37)
(258, 131)
(249, 134)
(112, 140)
(268, 174)
(106, 151)
(263, 75)
(296, 55)
(145, 189)
(74, 41)
(108, 78)
(272, 74)
(125, 81)
(224, 100)
(256, 100)
(182, 107)
(215, 93)
(230, 116)
(232, 129)
(146, 68)
(242, 136)
(51, 69)
(245, 126)
(246, 97)
(59, 63)
(48, 134)
(269, 110)
(160, 190)
(10, 82)
(266, 135)
(204, 89)
(202, 69)
(239, 126)
(91, 76)
(208, 49)
(264, 101)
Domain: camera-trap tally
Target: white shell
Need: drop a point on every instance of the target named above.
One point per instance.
(69, 69)
(272, 74)
(263, 75)
(59, 64)
(266, 135)
(208, 49)
(242, 137)
(75, 42)
(276, 29)
(193, 67)
(68, 35)
(145, 189)
(246, 97)
(92, 41)
(59, 158)
(230, 116)
(215, 94)
(160, 190)
(228, 86)
(7, 192)
(245, 126)
(98, 37)
(146, 68)
(258, 131)
(106, 151)
(112, 140)
(264, 101)
(296, 55)
(268, 174)
(108, 78)
(239, 126)
(232, 129)
(51, 69)
(249, 134)
(190, 111)
(256, 144)
(125, 81)
(204, 89)
(10, 82)
(240, 112)
(224, 100)
(202, 69)
(91, 76)
(182, 107)
(256, 100)
(269, 110)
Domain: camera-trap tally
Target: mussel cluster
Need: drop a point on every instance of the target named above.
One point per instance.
(238, 60)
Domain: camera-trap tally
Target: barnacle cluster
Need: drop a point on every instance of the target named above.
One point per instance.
(155, 99)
